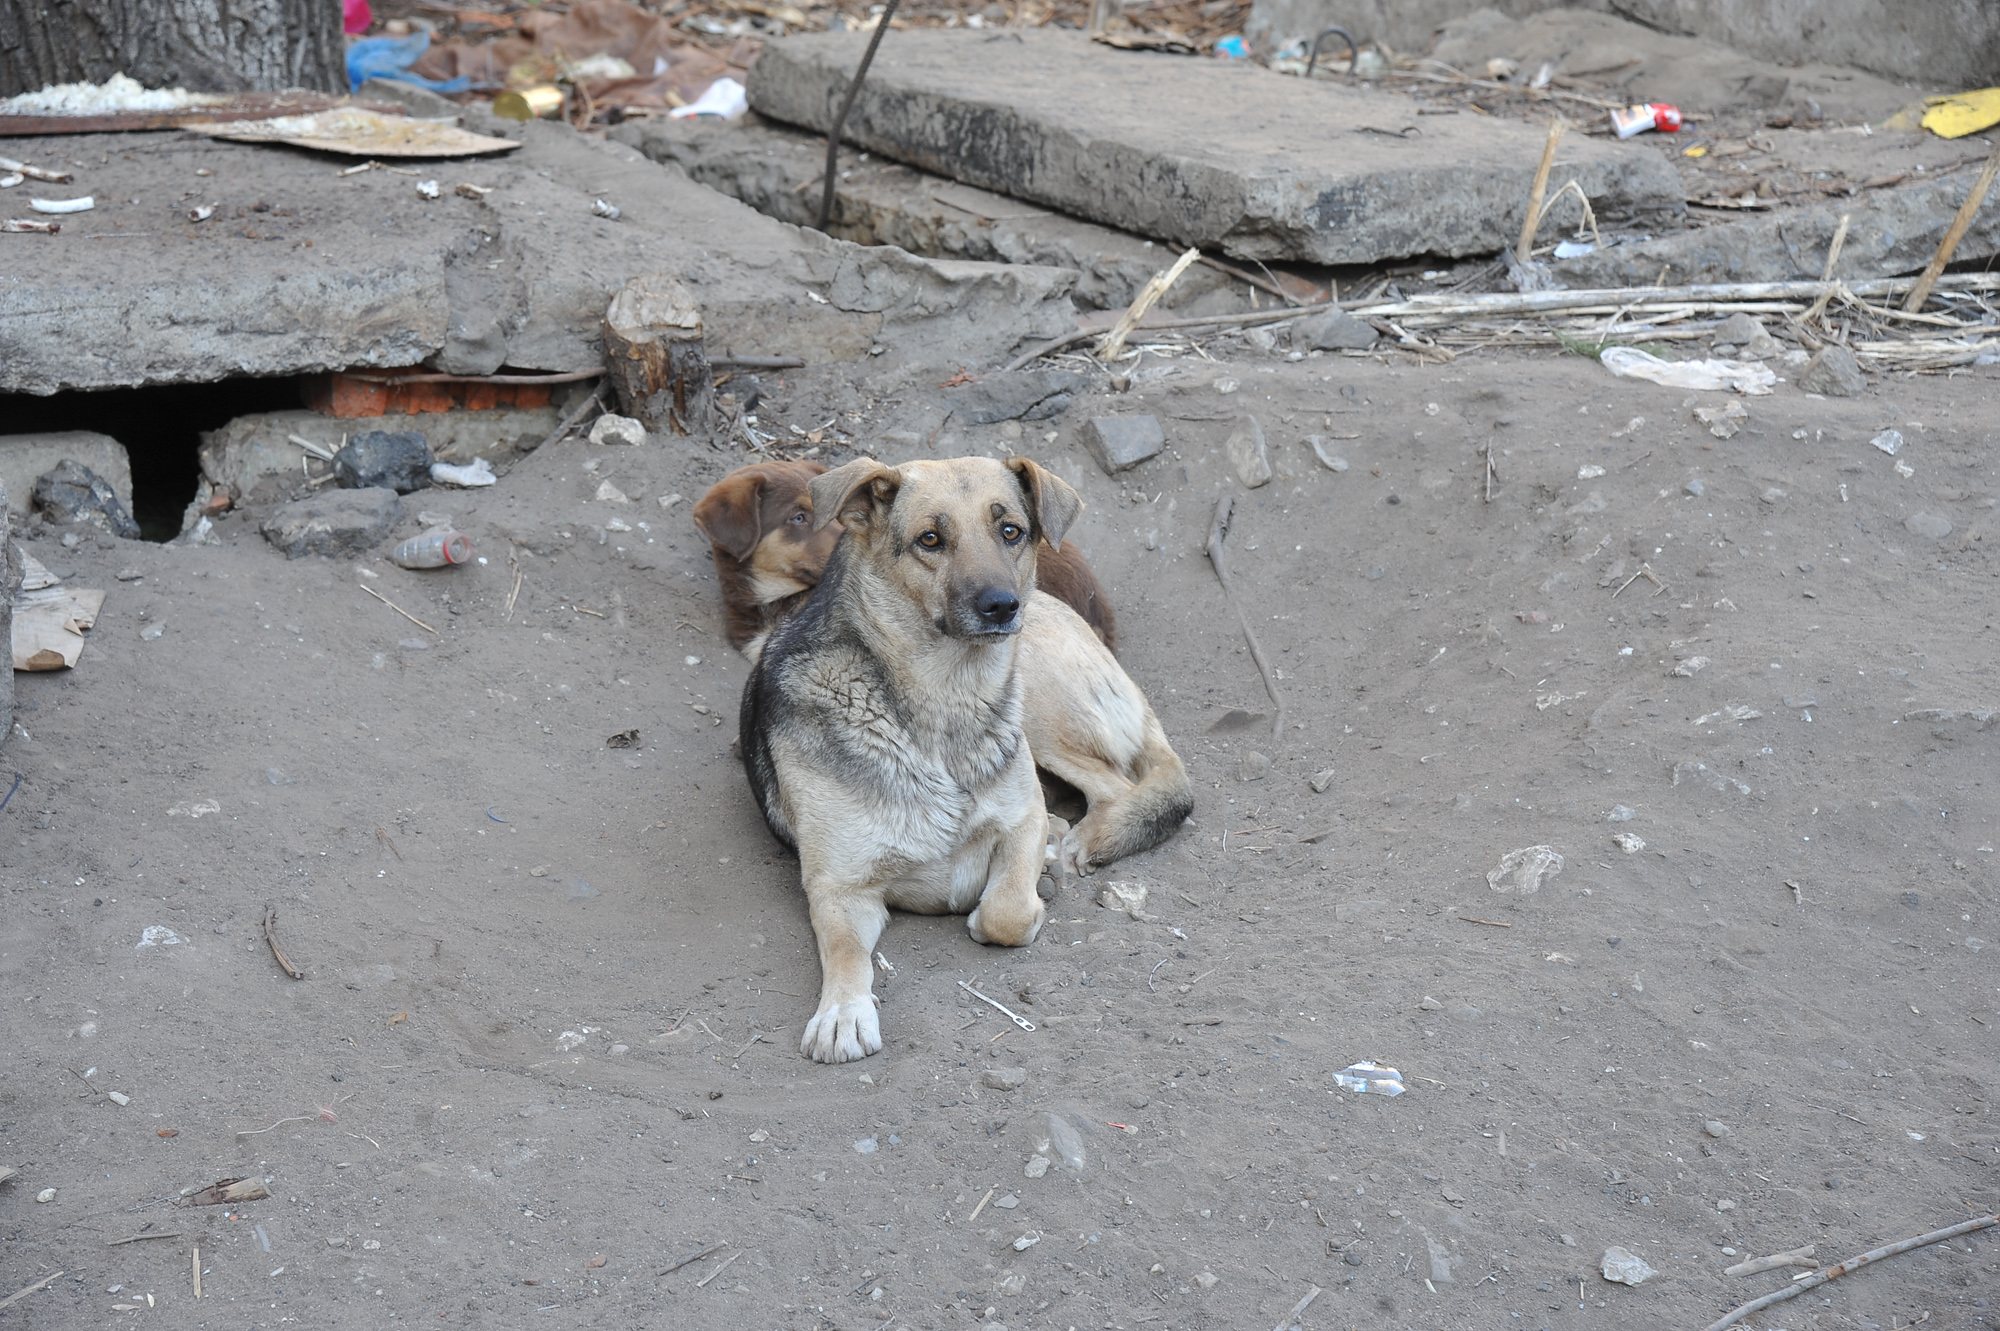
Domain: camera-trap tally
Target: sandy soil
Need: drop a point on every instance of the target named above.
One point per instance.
(547, 1040)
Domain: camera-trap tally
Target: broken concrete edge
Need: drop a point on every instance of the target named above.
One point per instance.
(1054, 118)
(26, 458)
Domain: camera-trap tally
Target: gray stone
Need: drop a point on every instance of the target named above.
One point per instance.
(25, 457)
(1751, 338)
(1323, 449)
(334, 522)
(1122, 442)
(72, 492)
(1024, 395)
(1004, 1079)
(1333, 330)
(1247, 454)
(1833, 372)
(1625, 1267)
(398, 460)
(1252, 766)
(1223, 154)
(1931, 525)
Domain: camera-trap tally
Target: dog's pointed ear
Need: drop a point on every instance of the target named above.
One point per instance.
(729, 514)
(1050, 498)
(853, 494)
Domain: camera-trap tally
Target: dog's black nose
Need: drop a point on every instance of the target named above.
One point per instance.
(997, 606)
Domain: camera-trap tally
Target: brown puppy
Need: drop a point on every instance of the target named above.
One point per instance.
(881, 725)
(1086, 721)
(768, 556)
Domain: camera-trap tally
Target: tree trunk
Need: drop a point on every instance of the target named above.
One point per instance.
(201, 45)
(659, 365)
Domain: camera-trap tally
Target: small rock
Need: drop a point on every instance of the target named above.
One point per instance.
(1333, 330)
(118, 1097)
(1253, 766)
(1833, 372)
(1589, 471)
(1725, 1205)
(1715, 1127)
(1007, 1203)
(1011, 1284)
(1889, 441)
(609, 429)
(760, 1135)
(1745, 332)
(1524, 870)
(1037, 1166)
(867, 1146)
(1931, 525)
(1026, 1241)
(1569, 1240)
(46, 1195)
(1772, 495)
(1321, 780)
(1208, 1280)
(1004, 1079)
(1801, 701)
(128, 575)
(1689, 668)
(1625, 1268)
(1619, 814)
(1122, 442)
(1057, 1138)
(1429, 1004)
(1128, 897)
(1247, 454)
(335, 522)
(607, 493)
(1137, 1101)
(1628, 842)
(1695, 488)
(72, 492)
(371, 1245)
(1351, 1256)
(1796, 357)
(398, 460)
(1024, 395)
(1323, 449)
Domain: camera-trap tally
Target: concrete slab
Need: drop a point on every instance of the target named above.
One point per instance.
(774, 167)
(1218, 153)
(303, 269)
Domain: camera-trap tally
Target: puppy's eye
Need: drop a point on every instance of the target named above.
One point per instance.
(1010, 532)
(798, 517)
(930, 540)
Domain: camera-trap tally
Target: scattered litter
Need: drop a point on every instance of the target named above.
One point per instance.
(610, 211)
(1963, 113)
(867, 1146)
(1889, 441)
(1689, 668)
(569, 1040)
(117, 93)
(223, 1192)
(434, 549)
(429, 189)
(1796, 1257)
(355, 132)
(1722, 421)
(1707, 375)
(1629, 842)
(159, 935)
(1369, 1079)
(82, 205)
(726, 99)
(1525, 870)
(1644, 117)
(1734, 712)
(1012, 1015)
(474, 473)
(23, 224)
(1625, 1268)
(1590, 471)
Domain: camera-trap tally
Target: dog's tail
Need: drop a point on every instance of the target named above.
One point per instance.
(1162, 797)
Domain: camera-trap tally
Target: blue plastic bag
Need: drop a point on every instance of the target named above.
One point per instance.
(391, 58)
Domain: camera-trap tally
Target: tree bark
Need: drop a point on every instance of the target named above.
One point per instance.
(201, 45)
(659, 364)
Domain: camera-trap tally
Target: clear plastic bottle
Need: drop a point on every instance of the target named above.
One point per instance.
(434, 549)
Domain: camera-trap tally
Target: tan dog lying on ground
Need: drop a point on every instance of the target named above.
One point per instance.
(768, 554)
(1086, 721)
(881, 725)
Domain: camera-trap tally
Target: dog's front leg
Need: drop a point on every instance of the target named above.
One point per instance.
(1010, 911)
(846, 922)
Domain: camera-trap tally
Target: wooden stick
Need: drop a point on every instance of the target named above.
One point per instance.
(271, 937)
(1217, 530)
(595, 399)
(399, 610)
(1531, 223)
(1826, 274)
(1297, 1308)
(982, 1205)
(1818, 1278)
(24, 1293)
(1114, 341)
(1497, 924)
(690, 1261)
(197, 1270)
(718, 1270)
(1959, 226)
(141, 1238)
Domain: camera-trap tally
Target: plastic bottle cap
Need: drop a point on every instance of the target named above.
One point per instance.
(456, 548)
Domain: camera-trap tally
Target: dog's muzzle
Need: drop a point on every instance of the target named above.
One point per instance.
(990, 612)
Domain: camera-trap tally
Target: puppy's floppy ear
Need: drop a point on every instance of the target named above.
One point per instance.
(853, 494)
(1050, 498)
(728, 515)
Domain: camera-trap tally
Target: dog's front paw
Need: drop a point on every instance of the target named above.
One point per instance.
(843, 1032)
(1007, 928)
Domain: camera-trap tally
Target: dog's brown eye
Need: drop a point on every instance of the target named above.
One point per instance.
(1009, 532)
(930, 540)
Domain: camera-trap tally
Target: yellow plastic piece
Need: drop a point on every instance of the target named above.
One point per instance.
(1963, 113)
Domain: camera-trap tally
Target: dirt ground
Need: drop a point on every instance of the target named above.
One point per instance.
(546, 1042)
